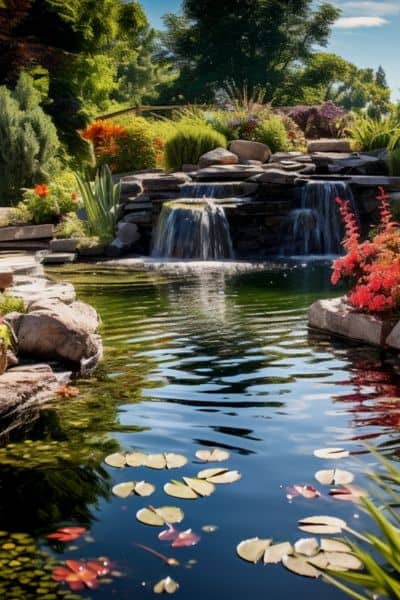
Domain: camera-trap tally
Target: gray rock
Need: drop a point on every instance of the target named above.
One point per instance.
(393, 339)
(63, 245)
(336, 316)
(247, 150)
(26, 386)
(329, 145)
(276, 176)
(130, 187)
(227, 173)
(59, 331)
(219, 156)
(127, 233)
(294, 155)
(348, 164)
(142, 217)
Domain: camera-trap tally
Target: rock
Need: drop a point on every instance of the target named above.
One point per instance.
(127, 233)
(247, 150)
(285, 165)
(144, 216)
(63, 245)
(276, 176)
(227, 173)
(328, 145)
(130, 186)
(336, 316)
(393, 339)
(21, 387)
(163, 183)
(6, 278)
(253, 163)
(348, 164)
(58, 331)
(189, 168)
(294, 155)
(59, 258)
(219, 156)
(31, 289)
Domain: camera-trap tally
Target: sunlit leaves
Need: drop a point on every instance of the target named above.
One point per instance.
(167, 585)
(160, 516)
(131, 488)
(189, 489)
(215, 455)
(331, 453)
(219, 475)
(334, 477)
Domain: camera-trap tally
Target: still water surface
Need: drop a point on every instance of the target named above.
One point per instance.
(199, 362)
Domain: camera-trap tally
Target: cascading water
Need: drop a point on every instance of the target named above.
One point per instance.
(316, 227)
(192, 229)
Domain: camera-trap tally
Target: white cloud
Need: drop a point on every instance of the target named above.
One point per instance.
(356, 22)
(373, 9)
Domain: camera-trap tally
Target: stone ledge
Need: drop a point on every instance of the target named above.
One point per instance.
(335, 316)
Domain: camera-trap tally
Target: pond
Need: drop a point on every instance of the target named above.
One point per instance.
(194, 363)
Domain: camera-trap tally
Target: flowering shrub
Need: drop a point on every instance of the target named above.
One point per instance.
(372, 268)
(319, 121)
(127, 147)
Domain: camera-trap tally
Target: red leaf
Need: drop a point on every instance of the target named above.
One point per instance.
(186, 538)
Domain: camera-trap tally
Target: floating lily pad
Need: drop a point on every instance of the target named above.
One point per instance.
(322, 524)
(276, 552)
(307, 546)
(160, 516)
(349, 493)
(189, 489)
(136, 459)
(253, 549)
(331, 453)
(343, 561)
(117, 460)
(215, 455)
(329, 545)
(175, 461)
(131, 488)
(334, 477)
(219, 475)
(300, 565)
(167, 585)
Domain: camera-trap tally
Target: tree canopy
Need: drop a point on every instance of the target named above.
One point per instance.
(242, 40)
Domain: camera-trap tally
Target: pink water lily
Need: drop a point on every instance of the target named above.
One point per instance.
(179, 539)
(304, 490)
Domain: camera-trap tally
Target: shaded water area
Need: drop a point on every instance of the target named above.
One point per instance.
(202, 362)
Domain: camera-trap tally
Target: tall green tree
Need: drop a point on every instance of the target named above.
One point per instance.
(241, 40)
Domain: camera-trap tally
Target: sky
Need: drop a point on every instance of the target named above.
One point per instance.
(367, 33)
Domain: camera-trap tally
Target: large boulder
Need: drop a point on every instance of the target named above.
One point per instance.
(58, 331)
(329, 145)
(219, 156)
(338, 317)
(26, 386)
(246, 150)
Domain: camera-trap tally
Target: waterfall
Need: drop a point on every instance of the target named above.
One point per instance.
(316, 227)
(192, 229)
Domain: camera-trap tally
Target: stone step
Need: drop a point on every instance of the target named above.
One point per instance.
(132, 206)
(58, 258)
(26, 232)
(138, 217)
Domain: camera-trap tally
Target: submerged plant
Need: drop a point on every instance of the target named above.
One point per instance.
(101, 203)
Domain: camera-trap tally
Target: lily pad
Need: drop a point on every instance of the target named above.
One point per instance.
(117, 460)
(307, 546)
(343, 561)
(276, 552)
(136, 459)
(175, 461)
(253, 549)
(349, 493)
(331, 453)
(219, 475)
(329, 545)
(160, 516)
(167, 585)
(189, 489)
(300, 565)
(334, 477)
(322, 524)
(156, 461)
(215, 455)
(130, 488)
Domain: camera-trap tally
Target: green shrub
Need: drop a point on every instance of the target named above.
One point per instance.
(71, 226)
(272, 132)
(28, 140)
(101, 203)
(10, 304)
(189, 143)
(394, 161)
(134, 150)
(374, 134)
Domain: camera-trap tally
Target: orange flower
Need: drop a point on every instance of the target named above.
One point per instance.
(74, 197)
(41, 190)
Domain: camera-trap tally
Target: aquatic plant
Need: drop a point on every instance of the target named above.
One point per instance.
(374, 134)
(101, 203)
(372, 268)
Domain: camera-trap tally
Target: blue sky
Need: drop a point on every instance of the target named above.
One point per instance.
(367, 34)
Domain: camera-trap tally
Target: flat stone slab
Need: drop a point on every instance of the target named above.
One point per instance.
(59, 258)
(227, 173)
(32, 289)
(329, 145)
(26, 232)
(337, 317)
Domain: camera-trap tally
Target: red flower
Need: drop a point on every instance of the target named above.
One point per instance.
(41, 190)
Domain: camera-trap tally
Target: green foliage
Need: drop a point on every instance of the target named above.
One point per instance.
(10, 304)
(43, 209)
(382, 567)
(272, 132)
(189, 143)
(265, 40)
(394, 161)
(135, 150)
(101, 203)
(71, 226)
(28, 140)
(373, 134)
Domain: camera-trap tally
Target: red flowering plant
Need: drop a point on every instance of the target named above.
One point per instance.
(372, 267)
